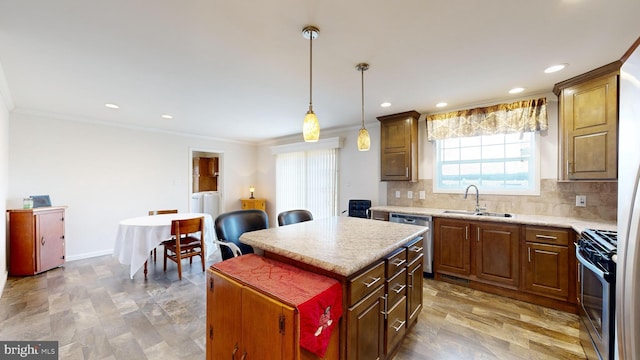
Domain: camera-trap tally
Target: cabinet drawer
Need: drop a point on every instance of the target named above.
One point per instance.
(396, 324)
(547, 235)
(366, 282)
(415, 249)
(396, 262)
(397, 287)
(380, 215)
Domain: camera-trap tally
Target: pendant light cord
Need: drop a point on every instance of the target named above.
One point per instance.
(310, 70)
(362, 73)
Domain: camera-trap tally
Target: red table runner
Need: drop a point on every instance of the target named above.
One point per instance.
(318, 298)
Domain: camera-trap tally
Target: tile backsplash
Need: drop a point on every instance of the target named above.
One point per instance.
(555, 199)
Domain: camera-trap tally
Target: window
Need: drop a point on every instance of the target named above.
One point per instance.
(502, 163)
(308, 180)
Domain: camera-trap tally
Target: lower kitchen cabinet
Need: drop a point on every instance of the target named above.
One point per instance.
(530, 263)
(379, 317)
(380, 215)
(415, 265)
(250, 325)
(365, 338)
(452, 251)
(546, 270)
(497, 253)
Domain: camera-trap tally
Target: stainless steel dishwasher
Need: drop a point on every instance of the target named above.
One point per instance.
(420, 220)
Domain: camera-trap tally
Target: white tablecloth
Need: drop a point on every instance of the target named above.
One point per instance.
(138, 236)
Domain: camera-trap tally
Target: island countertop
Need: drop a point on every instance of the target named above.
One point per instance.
(341, 245)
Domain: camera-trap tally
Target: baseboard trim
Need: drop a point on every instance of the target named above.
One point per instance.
(89, 255)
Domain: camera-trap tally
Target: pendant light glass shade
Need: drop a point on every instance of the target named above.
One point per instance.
(310, 126)
(364, 141)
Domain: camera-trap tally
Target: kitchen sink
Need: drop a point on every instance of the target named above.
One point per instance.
(482, 213)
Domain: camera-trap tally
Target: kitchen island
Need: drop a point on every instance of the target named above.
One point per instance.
(375, 263)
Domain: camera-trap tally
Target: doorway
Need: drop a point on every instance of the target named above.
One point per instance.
(206, 181)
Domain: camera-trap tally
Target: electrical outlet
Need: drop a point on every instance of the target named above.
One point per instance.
(409, 194)
(581, 200)
(397, 194)
(422, 195)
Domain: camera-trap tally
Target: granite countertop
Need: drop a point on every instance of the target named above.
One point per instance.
(565, 222)
(339, 244)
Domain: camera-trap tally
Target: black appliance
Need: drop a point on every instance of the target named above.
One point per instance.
(596, 253)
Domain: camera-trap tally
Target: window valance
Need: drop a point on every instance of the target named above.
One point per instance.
(521, 116)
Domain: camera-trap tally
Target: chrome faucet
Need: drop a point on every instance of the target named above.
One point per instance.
(466, 192)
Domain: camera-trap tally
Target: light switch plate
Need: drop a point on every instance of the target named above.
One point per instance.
(581, 200)
(422, 195)
(397, 194)
(409, 194)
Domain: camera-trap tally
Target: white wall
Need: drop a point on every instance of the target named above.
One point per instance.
(4, 178)
(105, 174)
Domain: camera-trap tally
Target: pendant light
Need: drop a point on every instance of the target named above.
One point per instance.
(364, 141)
(310, 127)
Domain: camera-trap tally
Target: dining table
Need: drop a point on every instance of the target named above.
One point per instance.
(138, 236)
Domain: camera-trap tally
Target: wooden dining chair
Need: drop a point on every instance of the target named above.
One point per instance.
(153, 252)
(188, 242)
(158, 212)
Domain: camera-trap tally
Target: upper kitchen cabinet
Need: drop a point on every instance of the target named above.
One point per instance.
(588, 121)
(205, 174)
(399, 146)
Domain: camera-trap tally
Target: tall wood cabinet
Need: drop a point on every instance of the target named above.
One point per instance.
(399, 146)
(588, 116)
(36, 240)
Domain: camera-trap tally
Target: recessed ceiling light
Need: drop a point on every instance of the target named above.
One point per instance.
(516, 90)
(441, 104)
(385, 104)
(554, 68)
(166, 116)
(112, 106)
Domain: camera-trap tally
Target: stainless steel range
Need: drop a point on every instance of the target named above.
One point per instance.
(596, 254)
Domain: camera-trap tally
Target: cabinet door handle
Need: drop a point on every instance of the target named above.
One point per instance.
(400, 326)
(384, 310)
(466, 232)
(478, 234)
(244, 355)
(233, 353)
(399, 290)
(548, 237)
(42, 241)
(406, 171)
(529, 252)
(398, 262)
(410, 280)
(373, 281)
(416, 249)
(569, 167)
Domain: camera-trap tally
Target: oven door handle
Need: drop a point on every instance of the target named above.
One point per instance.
(601, 274)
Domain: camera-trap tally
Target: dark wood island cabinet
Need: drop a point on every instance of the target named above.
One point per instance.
(379, 267)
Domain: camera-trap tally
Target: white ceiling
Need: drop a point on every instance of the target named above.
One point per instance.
(239, 69)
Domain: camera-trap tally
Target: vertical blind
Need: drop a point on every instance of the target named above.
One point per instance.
(308, 180)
